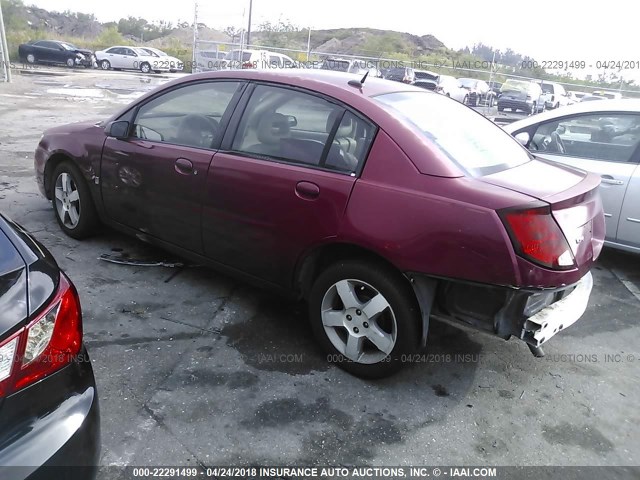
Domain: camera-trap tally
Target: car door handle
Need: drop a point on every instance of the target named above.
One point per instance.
(185, 167)
(307, 190)
(609, 180)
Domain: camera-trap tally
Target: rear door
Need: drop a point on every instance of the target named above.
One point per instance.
(129, 59)
(603, 143)
(281, 182)
(154, 180)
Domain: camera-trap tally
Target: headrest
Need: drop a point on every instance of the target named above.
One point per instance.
(273, 127)
(346, 126)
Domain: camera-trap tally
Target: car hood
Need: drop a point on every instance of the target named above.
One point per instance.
(71, 128)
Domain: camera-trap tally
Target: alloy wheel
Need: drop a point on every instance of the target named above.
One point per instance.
(359, 321)
(67, 200)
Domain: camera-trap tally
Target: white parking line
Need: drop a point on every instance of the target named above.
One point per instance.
(632, 287)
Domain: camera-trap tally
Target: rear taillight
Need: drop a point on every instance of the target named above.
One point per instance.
(537, 237)
(45, 345)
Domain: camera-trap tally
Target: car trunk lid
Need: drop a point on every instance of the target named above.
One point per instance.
(572, 195)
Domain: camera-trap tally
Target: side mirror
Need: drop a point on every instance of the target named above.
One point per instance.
(118, 129)
(523, 138)
(293, 121)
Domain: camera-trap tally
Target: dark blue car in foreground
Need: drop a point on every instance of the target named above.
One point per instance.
(49, 417)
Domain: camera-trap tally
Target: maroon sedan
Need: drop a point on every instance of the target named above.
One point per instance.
(381, 204)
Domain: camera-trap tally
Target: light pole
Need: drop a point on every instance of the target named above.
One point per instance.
(309, 45)
(249, 24)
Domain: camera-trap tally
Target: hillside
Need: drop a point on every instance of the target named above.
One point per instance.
(24, 23)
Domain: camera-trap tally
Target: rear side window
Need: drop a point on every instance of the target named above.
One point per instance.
(302, 128)
(472, 142)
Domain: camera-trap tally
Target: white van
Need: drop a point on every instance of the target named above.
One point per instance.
(259, 59)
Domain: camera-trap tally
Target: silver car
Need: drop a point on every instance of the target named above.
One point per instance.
(601, 137)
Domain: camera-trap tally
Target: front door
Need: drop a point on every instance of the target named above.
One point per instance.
(154, 180)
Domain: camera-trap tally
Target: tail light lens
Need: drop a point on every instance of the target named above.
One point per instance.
(47, 344)
(537, 237)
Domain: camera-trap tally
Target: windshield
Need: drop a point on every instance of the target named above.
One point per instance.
(141, 51)
(546, 88)
(468, 82)
(517, 85)
(472, 142)
(69, 46)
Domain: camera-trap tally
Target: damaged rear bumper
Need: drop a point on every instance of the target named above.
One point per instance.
(532, 315)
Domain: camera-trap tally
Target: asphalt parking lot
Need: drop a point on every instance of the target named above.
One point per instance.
(194, 367)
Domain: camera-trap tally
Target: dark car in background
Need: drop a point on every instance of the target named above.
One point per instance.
(495, 88)
(49, 418)
(56, 53)
(380, 204)
(521, 95)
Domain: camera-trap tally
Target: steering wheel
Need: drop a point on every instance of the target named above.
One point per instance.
(557, 142)
(198, 130)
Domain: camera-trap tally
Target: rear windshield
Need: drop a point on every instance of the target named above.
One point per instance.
(474, 143)
(546, 88)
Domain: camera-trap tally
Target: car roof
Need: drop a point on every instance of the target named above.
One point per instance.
(630, 105)
(328, 82)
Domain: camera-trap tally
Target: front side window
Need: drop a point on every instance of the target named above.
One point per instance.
(301, 128)
(469, 140)
(187, 116)
(602, 136)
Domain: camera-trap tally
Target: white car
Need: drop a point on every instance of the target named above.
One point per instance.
(164, 59)
(131, 58)
(451, 87)
(555, 95)
(601, 137)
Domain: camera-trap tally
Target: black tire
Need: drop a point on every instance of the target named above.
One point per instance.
(403, 308)
(88, 222)
(105, 65)
(31, 58)
(70, 63)
(145, 67)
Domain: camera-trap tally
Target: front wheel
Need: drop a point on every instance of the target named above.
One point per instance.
(72, 202)
(70, 63)
(366, 317)
(105, 65)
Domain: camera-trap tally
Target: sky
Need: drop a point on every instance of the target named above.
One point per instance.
(547, 30)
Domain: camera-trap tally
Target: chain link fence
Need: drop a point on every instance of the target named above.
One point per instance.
(211, 56)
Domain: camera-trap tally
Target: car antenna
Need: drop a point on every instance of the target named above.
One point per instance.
(358, 83)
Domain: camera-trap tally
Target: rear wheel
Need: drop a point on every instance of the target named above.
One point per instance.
(72, 202)
(365, 317)
(31, 58)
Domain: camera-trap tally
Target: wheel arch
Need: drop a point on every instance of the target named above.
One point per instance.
(314, 261)
(50, 167)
